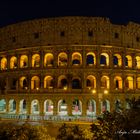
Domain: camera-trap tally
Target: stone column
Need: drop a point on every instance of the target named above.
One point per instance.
(69, 107)
(41, 107)
(30, 60)
(29, 107)
(84, 108)
(17, 106)
(55, 110)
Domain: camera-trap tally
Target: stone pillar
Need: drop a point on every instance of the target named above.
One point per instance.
(69, 107)
(29, 107)
(17, 107)
(41, 107)
(30, 60)
(41, 81)
(84, 108)
(7, 105)
(55, 110)
(8, 62)
(41, 59)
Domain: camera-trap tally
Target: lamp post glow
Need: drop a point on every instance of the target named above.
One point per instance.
(93, 91)
(105, 91)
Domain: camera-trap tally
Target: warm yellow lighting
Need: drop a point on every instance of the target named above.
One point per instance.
(37, 88)
(65, 88)
(93, 91)
(105, 91)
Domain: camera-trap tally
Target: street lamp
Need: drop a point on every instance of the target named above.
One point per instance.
(93, 91)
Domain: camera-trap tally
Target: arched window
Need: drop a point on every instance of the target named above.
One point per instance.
(62, 59)
(3, 63)
(91, 82)
(2, 105)
(128, 61)
(48, 82)
(138, 62)
(13, 62)
(36, 60)
(12, 106)
(48, 59)
(117, 60)
(129, 82)
(23, 61)
(91, 108)
(104, 59)
(23, 83)
(105, 82)
(118, 82)
(105, 106)
(118, 107)
(76, 83)
(35, 107)
(91, 59)
(22, 107)
(77, 107)
(62, 107)
(138, 83)
(76, 59)
(62, 82)
(48, 107)
(35, 82)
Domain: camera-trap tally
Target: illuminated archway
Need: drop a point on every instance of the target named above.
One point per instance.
(91, 110)
(104, 59)
(77, 107)
(35, 82)
(138, 62)
(105, 82)
(117, 82)
(2, 105)
(3, 63)
(23, 82)
(76, 59)
(91, 81)
(91, 59)
(48, 82)
(118, 106)
(62, 59)
(117, 60)
(36, 60)
(35, 107)
(23, 106)
(12, 106)
(23, 61)
(128, 61)
(62, 107)
(13, 62)
(48, 107)
(138, 83)
(76, 83)
(129, 82)
(62, 82)
(48, 59)
(105, 106)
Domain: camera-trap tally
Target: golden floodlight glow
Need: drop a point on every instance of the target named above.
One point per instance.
(65, 88)
(93, 91)
(105, 91)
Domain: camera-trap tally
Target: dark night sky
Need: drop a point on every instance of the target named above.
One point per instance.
(119, 11)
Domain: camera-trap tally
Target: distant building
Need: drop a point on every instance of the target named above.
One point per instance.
(68, 66)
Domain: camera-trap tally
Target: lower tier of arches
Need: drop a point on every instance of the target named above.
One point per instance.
(62, 105)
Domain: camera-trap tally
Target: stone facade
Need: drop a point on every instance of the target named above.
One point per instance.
(59, 61)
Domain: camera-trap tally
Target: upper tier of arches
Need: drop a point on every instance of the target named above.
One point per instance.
(75, 59)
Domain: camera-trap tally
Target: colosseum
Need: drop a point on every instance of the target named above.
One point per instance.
(66, 67)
